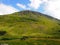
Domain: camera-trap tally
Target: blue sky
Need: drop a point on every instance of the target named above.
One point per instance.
(50, 7)
(14, 2)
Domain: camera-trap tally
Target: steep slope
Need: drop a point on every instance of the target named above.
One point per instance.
(29, 23)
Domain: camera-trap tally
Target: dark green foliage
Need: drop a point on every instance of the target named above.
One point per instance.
(24, 38)
(2, 33)
(6, 38)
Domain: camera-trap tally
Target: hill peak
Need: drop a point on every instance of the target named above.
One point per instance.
(29, 11)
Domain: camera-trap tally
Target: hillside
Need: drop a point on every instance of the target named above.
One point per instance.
(29, 23)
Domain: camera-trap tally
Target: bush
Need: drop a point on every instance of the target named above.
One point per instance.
(2, 33)
(24, 37)
(6, 39)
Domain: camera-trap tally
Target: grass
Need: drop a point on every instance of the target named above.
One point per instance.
(31, 42)
(29, 23)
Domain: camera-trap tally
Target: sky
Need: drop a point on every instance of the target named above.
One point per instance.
(49, 7)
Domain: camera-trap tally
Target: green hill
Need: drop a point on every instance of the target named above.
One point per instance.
(28, 23)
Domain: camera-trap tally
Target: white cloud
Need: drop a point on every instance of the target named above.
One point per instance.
(5, 9)
(35, 3)
(45, 0)
(21, 5)
(53, 8)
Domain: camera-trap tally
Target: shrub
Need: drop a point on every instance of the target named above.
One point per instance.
(6, 39)
(24, 37)
(2, 33)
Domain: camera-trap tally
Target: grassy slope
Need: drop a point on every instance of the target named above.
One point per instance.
(29, 24)
(31, 42)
